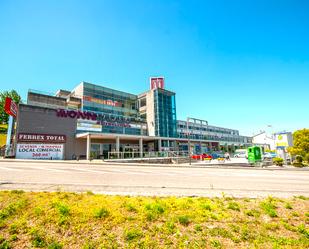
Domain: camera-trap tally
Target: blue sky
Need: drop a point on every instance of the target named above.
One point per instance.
(237, 64)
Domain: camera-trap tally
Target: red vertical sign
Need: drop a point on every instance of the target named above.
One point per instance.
(157, 82)
(10, 107)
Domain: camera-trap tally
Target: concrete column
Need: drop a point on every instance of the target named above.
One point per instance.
(159, 145)
(117, 144)
(88, 147)
(141, 147)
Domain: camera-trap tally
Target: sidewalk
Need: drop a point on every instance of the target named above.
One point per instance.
(198, 164)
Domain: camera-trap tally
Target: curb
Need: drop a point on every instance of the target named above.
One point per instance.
(217, 166)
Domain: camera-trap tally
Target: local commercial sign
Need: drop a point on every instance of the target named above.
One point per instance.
(42, 138)
(10, 107)
(156, 82)
(39, 151)
(102, 119)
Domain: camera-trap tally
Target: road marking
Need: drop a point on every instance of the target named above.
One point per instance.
(9, 169)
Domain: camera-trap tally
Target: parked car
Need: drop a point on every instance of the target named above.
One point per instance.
(217, 155)
(269, 155)
(201, 156)
(240, 155)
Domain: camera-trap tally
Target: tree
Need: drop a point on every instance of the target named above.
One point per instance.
(15, 97)
(301, 143)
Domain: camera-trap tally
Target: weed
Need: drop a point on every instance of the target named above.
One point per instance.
(184, 220)
(272, 226)
(206, 206)
(220, 231)
(63, 209)
(13, 237)
(269, 208)
(302, 230)
(215, 243)
(88, 192)
(4, 244)
(89, 245)
(233, 206)
(133, 234)
(130, 207)
(198, 228)
(37, 238)
(101, 213)
(302, 197)
(155, 207)
(253, 213)
(17, 192)
(288, 205)
(295, 214)
(55, 245)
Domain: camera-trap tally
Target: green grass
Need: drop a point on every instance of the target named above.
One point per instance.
(69, 220)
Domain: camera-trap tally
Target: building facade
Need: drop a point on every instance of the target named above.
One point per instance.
(93, 121)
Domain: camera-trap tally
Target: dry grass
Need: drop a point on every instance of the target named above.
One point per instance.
(70, 220)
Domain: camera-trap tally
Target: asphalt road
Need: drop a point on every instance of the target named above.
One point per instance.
(160, 181)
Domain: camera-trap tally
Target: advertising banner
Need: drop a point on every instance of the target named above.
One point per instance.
(39, 151)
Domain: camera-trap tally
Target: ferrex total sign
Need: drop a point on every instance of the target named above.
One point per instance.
(10, 107)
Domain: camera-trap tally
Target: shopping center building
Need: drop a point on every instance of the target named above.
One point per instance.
(93, 121)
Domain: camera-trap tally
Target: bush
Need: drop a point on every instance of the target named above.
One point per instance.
(306, 158)
(299, 159)
(298, 162)
(278, 161)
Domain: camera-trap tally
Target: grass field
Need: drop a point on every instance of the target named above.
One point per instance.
(69, 220)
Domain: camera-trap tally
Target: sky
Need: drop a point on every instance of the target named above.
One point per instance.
(237, 64)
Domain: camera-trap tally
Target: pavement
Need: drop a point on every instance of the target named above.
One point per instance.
(132, 179)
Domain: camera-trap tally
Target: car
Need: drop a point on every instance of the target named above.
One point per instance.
(240, 155)
(269, 155)
(201, 156)
(217, 155)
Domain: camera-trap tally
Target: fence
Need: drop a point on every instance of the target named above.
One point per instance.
(152, 154)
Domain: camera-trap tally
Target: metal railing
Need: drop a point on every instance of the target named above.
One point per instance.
(146, 155)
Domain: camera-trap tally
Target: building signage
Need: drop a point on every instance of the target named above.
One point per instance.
(102, 119)
(156, 82)
(283, 140)
(10, 107)
(88, 126)
(45, 138)
(102, 101)
(39, 151)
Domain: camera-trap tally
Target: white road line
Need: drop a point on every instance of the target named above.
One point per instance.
(9, 169)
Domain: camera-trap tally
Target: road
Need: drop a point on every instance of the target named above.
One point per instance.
(160, 181)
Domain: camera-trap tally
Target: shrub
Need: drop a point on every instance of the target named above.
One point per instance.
(54, 245)
(233, 206)
(299, 159)
(132, 234)
(4, 244)
(184, 220)
(269, 208)
(101, 213)
(278, 161)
